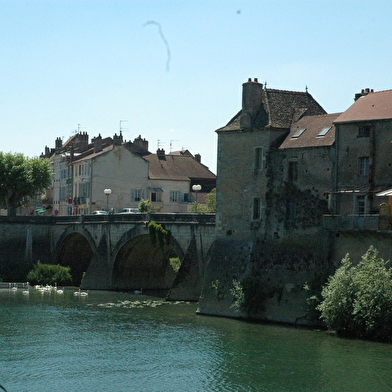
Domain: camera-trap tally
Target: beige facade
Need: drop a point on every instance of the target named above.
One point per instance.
(129, 170)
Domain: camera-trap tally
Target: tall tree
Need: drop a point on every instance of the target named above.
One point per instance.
(21, 177)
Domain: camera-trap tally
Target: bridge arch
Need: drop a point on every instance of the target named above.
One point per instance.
(140, 264)
(75, 249)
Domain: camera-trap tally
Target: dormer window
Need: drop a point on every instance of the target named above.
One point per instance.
(323, 132)
(298, 133)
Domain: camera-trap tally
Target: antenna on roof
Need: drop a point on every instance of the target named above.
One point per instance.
(306, 88)
(171, 144)
(265, 84)
(123, 129)
(160, 144)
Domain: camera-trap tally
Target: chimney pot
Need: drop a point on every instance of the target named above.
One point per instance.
(249, 80)
(256, 80)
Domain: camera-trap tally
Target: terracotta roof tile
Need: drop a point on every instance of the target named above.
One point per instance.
(310, 137)
(373, 106)
(176, 167)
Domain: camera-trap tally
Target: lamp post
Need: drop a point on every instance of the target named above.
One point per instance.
(197, 189)
(107, 192)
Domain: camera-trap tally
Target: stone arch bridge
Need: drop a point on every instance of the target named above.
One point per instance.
(114, 252)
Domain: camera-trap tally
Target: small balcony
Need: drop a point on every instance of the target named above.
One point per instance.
(369, 222)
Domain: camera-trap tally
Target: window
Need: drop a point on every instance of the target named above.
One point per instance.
(258, 159)
(361, 205)
(363, 166)
(156, 196)
(298, 133)
(323, 132)
(293, 171)
(290, 211)
(186, 198)
(137, 194)
(364, 131)
(256, 215)
(174, 196)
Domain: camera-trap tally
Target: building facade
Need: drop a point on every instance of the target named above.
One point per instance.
(83, 171)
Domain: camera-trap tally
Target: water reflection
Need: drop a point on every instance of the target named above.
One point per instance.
(122, 342)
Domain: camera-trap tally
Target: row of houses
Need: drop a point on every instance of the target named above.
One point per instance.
(286, 166)
(111, 174)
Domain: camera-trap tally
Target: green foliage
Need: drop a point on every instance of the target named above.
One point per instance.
(215, 285)
(49, 274)
(20, 178)
(211, 201)
(357, 300)
(175, 263)
(209, 207)
(159, 233)
(144, 205)
(249, 295)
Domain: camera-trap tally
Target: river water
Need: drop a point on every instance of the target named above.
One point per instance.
(119, 342)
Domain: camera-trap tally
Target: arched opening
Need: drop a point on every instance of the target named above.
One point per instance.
(75, 252)
(141, 264)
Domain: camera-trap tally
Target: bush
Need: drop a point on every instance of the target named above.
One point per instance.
(357, 300)
(249, 296)
(49, 274)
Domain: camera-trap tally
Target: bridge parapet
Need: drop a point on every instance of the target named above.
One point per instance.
(204, 219)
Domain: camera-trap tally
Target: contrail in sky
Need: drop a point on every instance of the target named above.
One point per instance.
(163, 39)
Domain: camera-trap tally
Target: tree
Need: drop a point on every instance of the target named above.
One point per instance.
(144, 205)
(49, 274)
(21, 177)
(357, 300)
(209, 207)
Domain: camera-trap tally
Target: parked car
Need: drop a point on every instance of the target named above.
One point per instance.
(129, 210)
(99, 212)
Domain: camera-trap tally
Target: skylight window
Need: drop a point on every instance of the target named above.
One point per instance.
(323, 132)
(298, 133)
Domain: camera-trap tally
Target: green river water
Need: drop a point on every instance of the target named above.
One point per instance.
(118, 342)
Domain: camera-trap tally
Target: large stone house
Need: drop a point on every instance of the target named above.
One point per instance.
(269, 151)
(83, 170)
(363, 160)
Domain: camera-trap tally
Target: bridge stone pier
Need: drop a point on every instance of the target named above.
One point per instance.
(114, 252)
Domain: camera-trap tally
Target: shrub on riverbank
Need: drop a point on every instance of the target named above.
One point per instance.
(49, 274)
(357, 299)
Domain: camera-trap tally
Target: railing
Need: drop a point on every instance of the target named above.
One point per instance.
(113, 218)
(351, 222)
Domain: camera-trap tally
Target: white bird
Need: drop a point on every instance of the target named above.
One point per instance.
(83, 293)
(138, 291)
(77, 292)
(60, 291)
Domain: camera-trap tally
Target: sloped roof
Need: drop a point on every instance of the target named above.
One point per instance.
(181, 152)
(176, 167)
(278, 109)
(310, 136)
(373, 106)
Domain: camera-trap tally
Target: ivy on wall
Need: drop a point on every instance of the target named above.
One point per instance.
(159, 234)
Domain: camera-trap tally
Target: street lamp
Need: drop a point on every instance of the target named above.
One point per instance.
(196, 188)
(107, 192)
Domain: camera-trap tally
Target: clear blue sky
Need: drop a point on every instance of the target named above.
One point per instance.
(95, 63)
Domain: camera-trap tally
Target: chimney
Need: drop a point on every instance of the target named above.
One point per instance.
(117, 140)
(161, 154)
(251, 102)
(58, 145)
(97, 143)
(363, 93)
(198, 158)
(71, 154)
(142, 143)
